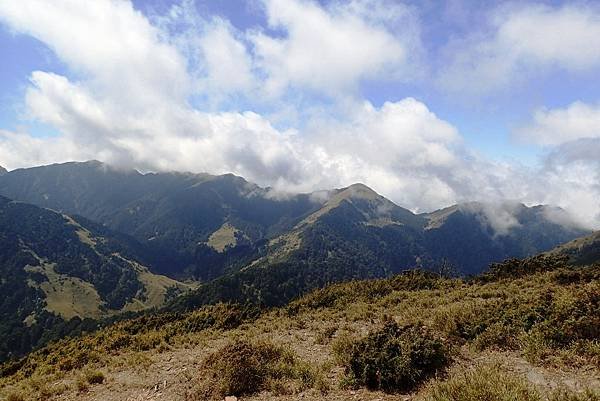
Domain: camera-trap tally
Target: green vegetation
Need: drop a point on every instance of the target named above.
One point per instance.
(181, 215)
(57, 273)
(141, 334)
(94, 377)
(415, 331)
(396, 358)
(242, 243)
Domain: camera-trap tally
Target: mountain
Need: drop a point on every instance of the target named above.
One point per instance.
(198, 225)
(243, 242)
(358, 234)
(471, 236)
(56, 270)
(204, 227)
(3, 170)
(580, 251)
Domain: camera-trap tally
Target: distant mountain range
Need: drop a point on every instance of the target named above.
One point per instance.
(88, 240)
(202, 226)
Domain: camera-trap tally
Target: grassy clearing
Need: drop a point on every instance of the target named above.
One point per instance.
(486, 382)
(67, 296)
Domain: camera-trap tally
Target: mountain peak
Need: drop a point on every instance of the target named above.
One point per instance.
(3, 170)
(357, 191)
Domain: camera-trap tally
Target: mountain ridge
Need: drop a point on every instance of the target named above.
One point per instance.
(183, 216)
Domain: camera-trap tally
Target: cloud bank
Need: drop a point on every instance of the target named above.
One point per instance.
(143, 94)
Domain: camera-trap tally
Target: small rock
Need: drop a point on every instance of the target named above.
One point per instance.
(231, 398)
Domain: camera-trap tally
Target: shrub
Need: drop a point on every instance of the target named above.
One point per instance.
(487, 382)
(514, 268)
(575, 316)
(94, 377)
(491, 383)
(243, 368)
(499, 336)
(342, 347)
(396, 358)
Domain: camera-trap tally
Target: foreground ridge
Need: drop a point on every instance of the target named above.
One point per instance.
(529, 326)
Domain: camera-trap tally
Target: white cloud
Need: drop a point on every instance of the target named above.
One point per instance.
(228, 64)
(402, 149)
(557, 126)
(110, 44)
(217, 56)
(128, 104)
(332, 49)
(500, 216)
(19, 150)
(574, 186)
(523, 40)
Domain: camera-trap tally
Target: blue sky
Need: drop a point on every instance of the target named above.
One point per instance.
(429, 102)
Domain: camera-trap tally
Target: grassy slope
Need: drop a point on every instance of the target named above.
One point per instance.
(526, 330)
(59, 272)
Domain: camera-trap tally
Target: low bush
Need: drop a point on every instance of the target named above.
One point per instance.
(498, 336)
(565, 395)
(243, 367)
(396, 358)
(94, 377)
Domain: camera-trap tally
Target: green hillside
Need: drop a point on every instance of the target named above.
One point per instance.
(359, 234)
(58, 272)
(580, 251)
(246, 244)
(527, 330)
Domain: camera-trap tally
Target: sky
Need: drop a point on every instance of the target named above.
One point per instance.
(428, 102)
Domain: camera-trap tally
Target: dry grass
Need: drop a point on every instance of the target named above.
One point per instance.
(547, 318)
